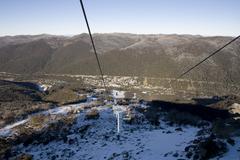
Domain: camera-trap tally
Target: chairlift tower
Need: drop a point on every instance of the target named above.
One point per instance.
(118, 110)
(118, 121)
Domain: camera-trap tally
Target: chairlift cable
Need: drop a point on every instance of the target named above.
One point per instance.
(93, 44)
(183, 74)
(199, 63)
(217, 51)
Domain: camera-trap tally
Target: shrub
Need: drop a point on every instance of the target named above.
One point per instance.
(92, 114)
(38, 120)
(223, 130)
(211, 148)
(182, 118)
(152, 116)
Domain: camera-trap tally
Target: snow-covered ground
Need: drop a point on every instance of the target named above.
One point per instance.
(9, 129)
(233, 153)
(98, 139)
(101, 141)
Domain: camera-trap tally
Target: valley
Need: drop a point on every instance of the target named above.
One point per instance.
(72, 117)
(53, 104)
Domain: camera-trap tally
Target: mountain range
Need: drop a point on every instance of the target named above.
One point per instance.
(155, 55)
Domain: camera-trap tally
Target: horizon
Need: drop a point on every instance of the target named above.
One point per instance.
(72, 35)
(60, 17)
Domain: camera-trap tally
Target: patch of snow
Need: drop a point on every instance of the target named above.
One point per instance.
(118, 94)
(144, 106)
(134, 95)
(119, 108)
(235, 108)
(99, 90)
(115, 85)
(64, 109)
(7, 130)
(91, 98)
(44, 87)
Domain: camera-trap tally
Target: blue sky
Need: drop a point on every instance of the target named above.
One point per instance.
(64, 17)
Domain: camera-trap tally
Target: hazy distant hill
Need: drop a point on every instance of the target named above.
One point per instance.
(122, 54)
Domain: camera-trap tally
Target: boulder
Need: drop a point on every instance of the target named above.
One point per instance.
(92, 114)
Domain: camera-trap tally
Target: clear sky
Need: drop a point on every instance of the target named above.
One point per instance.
(64, 17)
